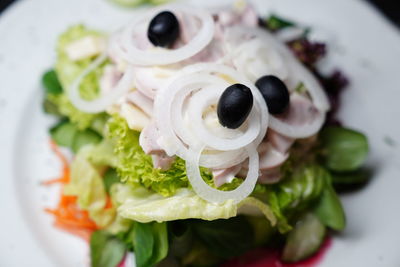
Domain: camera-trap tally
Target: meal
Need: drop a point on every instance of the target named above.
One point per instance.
(197, 136)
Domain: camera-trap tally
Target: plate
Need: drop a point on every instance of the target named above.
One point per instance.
(362, 43)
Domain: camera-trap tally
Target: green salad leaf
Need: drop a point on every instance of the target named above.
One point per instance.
(66, 71)
(87, 184)
(135, 167)
(103, 154)
(145, 206)
(84, 138)
(110, 178)
(305, 239)
(359, 176)
(150, 241)
(51, 83)
(142, 205)
(225, 238)
(105, 249)
(330, 210)
(343, 149)
(296, 192)
(64, 133)
(67, 134)
(275, 22)
(64, 107)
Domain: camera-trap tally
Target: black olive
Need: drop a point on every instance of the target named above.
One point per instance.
(275, 93)
(163, 29)
(234, 105)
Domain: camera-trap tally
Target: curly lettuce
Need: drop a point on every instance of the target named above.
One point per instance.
(136, 168)
(68, 70)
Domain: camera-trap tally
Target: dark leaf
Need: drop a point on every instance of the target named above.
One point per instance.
(225, 238)
(64, 133)
(275, 23)
(330, 211)
(150, 241)
(343, 149)
(304, 240)
(181, 236)
(110, 177)
(85, 137)
(51, 83)
(105, 250)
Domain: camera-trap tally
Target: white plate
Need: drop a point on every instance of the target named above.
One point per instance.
(362, 43)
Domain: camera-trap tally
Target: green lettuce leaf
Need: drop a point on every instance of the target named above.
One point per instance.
(87, 184)
(67, 71)
(136, 168)
(102, 154)
(297, 192)
(105, 250)
(150, 241)
(142, 205)
(344, 150)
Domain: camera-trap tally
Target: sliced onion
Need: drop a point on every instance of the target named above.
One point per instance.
(179, 139)
(301, 130)
(127, 49)
(297, 72)
(204, 99)
(256, 58)
(214, 195)
(101, 103)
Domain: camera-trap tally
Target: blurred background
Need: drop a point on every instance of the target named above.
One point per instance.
(390, 8)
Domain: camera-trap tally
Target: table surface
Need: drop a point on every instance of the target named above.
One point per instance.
(390, 8)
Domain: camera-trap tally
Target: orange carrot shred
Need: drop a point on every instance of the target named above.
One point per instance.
(68, 216)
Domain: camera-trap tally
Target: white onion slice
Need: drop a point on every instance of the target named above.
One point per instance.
(101, 103)
(127, 49)
(302, 130)
(171, 124)
(204, 99)
(297, 71)
(214, 195)
(179, 139)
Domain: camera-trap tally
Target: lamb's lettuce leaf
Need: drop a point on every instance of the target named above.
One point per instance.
(150, 242)
(343, 149)
(297, 192)
(105, 249)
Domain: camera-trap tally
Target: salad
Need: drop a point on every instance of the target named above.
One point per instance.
(191, 137)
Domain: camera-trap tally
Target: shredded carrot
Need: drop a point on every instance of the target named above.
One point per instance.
(64, 178)
(67, 214)
(109, 203)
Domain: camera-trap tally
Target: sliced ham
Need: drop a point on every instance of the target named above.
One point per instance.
(148, 141)
(280, 142)
(301, 120)
(162, 161)
(223, 176)
(244, 15)
(141, 101)
(109, 79)
(270, 157)
(270, 176)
